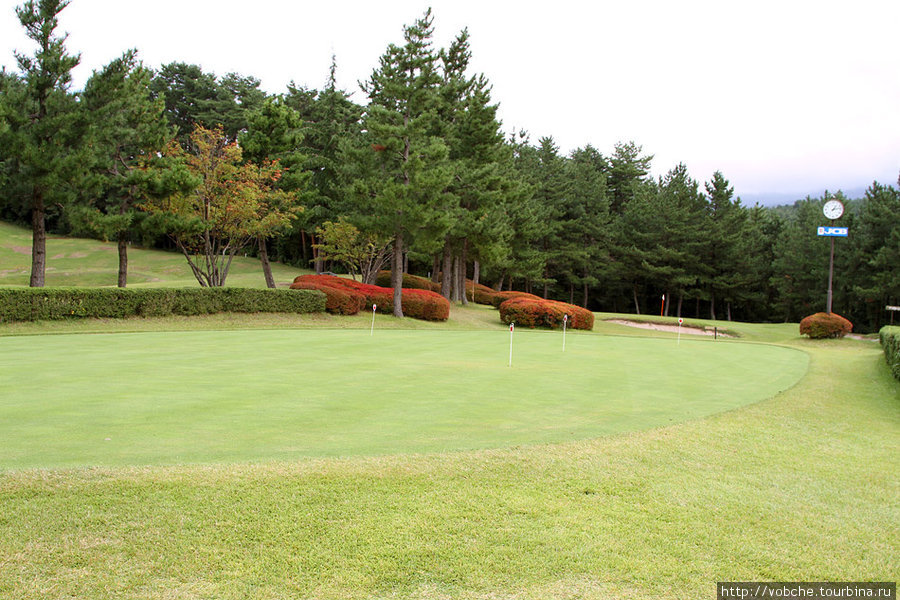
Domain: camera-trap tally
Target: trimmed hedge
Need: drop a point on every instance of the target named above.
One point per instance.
(890, 341)
(411, 282)
(483, 294)
(44, 304)
(339, 300)
(501, 297)
(825, 325)
(418, 304)
(537, 312)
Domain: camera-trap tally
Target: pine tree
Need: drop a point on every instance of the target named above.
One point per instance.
(401, 191)
(45, 126)
(128, 131)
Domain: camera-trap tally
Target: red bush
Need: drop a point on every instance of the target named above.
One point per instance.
(418, 304)
(500, 297)
(825, 325)
(483, 294)
(531, 311)
(338, 299)
(413, 282)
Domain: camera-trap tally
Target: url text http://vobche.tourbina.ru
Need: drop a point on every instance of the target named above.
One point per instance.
(817, 590)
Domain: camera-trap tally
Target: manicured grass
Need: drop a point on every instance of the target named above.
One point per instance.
(188, 397)
(86, 262)
(802, 486)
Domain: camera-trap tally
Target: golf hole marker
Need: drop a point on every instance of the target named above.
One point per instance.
(680, 321)
(372, 332)
(565, 322)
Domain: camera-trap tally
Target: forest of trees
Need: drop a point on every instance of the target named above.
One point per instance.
(422, 177)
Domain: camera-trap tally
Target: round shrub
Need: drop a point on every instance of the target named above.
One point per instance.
(412, 282)
(500, 297)
(425, 304)
(825, 325)
(483, 294)
(537, 312)
(338, 300)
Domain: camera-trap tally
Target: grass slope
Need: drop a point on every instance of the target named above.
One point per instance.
(188, 397)
(86, 262)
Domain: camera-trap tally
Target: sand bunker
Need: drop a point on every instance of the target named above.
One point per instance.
(688, 329)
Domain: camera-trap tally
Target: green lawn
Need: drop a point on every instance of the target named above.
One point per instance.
(237, 396)
(275, 457)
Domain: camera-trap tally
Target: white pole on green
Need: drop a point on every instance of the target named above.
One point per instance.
(565, 322)
(512, 326)
(372, 332)
(680, 321)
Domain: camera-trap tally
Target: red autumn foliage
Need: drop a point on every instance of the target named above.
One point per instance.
(531, 311)
(500, 297)
(483, 294)
(825, 325)
(339, 300)
(379, 147)
(409, 282)
(418, 304)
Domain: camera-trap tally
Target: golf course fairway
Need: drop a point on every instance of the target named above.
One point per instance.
(170, 398)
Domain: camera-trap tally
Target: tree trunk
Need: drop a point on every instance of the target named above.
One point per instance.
(436, 269)
(406, 262)
(264, 259)
(680, 300)
(498, 287)
(447, 272)
(397, 274)
(454, 294)
(585, 303)
(712, 306)
(476, 273)
(303, 248)
(637, 306)
(667, 303)
(462, 273)
(38, 239)
(123, 259)
(571, 293)
(728, 310)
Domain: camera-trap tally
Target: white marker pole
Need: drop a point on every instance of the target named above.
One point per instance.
(565, 322)
(371, 333)
(680, 321)
(511, 327)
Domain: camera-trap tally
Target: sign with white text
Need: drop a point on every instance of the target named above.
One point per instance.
(833, 231)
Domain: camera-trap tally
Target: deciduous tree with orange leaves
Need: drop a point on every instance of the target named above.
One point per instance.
(233, 205)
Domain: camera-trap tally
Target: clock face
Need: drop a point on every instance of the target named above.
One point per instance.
(833, 209)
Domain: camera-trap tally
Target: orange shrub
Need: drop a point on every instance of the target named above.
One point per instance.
(825, 325)
(418, 304)
(413, 282)
(483, 294)
(500, 297)
(532, 311)
(338, 300)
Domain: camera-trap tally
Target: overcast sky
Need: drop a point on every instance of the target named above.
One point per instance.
(781, 96)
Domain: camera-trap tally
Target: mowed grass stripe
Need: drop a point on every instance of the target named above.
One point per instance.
(222, 396)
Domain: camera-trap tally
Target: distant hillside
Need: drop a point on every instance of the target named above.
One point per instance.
(91, 263)
(779, 199)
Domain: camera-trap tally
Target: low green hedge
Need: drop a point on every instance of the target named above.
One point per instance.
(45, 304)
(890, 341)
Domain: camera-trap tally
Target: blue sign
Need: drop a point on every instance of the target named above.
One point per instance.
(833, 231)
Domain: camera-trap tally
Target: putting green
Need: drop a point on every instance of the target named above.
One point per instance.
(222, 396)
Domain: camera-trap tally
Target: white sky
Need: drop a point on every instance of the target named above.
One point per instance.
(781, 96)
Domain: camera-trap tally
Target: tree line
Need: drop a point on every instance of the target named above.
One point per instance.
(422, 178)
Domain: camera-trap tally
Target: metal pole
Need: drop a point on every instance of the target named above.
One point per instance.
(830, 276)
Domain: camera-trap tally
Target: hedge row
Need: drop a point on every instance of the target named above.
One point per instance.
(825, 325)
(500, 297)
(39, 304)
(418, 304)
(531, 311)
(339, 300)
(890, 341)
(412, 282)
